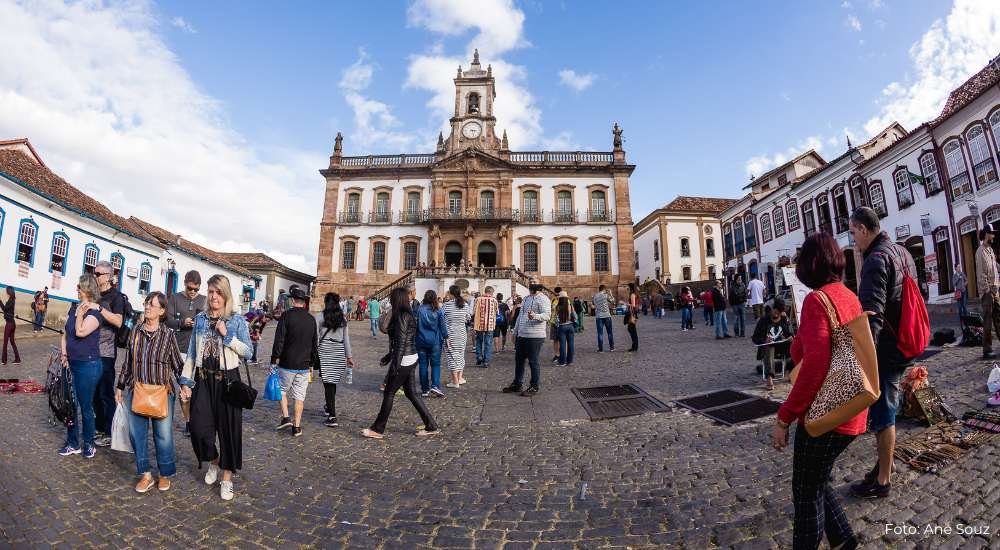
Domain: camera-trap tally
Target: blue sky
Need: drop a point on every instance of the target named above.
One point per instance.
(246, 97)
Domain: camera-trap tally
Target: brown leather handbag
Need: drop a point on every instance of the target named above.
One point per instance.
(150, 400)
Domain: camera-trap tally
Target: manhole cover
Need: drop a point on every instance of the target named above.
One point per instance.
(713, 399)
(603, 402)
(730, 406)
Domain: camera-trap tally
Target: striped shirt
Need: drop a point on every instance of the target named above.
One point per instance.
(485, 317)
(151, 358)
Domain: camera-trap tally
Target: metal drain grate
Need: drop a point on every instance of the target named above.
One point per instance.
(730, 406)
(603, 402)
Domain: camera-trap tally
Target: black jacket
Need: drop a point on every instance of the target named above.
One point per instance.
(402, 334)
(881, 292)
(779, 331)
(737, 293)
(718, 300)
(295, 340)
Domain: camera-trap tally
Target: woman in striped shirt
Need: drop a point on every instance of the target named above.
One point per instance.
(152, 357)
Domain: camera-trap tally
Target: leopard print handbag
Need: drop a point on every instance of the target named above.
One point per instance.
(851, 384)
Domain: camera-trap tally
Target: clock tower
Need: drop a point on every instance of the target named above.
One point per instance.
(473, 123)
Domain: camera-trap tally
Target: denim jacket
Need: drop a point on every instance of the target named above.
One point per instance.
(431, 328)
(236, 345)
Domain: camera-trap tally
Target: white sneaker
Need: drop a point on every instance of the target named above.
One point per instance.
(212, 474)
(226, 490)
(451, 385)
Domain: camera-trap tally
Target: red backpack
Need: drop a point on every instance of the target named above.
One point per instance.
(914, 332)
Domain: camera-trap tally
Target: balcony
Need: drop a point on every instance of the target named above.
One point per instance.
(380, 216)
(349, 216)
(531, 216)
(561, 158)
(463, 215)
(600, 216)
(410, 216)
(564, 216)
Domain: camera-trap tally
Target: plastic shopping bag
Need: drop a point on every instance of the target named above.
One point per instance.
(993, 382)
(120, 440)
(272, 389)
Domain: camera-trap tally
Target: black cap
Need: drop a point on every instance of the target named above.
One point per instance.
(298, 294)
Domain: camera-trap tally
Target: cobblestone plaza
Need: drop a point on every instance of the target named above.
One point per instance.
(508, 471)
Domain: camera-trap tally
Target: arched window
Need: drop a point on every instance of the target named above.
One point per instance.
(751, 231)
(958, 176)
(685, 247)
(765, 228)
(709, 247)
(928, 168)
(529, 206)
(601, 261)
(995, 126)
(598, 207)
(145, 275)
(982, 163)
(904, 191)
(60, 246)
(858, 192)
(878, 198)
(382, 207)
(792, 215)
(354, 208)
(409, 255)
(738, 236)
(90, 254)
(486, 203)
(566, 260)
(27, 236)
(778, 215)
(348, 254)
(529, 257)
(727, 241)
(117, 268)
(808, 220)
(455, 202)
(378, 256)
(686, 273)
(711, 273)
(473, 103)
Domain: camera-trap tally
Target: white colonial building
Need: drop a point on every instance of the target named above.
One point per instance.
(563, 216)
(51, 233)
(680, 241)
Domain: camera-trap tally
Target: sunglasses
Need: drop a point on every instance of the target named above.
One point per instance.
(100, 274)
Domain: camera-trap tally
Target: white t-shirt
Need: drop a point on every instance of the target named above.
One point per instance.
(756, 292)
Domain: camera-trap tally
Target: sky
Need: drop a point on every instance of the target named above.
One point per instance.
(212, 119)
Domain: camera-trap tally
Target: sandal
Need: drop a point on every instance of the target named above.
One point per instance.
(371, 434)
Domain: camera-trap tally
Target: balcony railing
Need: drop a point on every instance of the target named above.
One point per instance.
(380, 216)
(471, 214)
(561, 157)
(986, 172)
(387, 161)
(531, 216)
(410, 216)
(349, 216)
(600, 216)
(564, 216)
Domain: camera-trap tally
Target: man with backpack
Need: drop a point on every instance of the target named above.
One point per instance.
(112, 313)
(887, 289)
(737, 299)
(987, 281)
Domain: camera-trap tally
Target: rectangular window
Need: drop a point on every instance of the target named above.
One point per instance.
(566, 257)
(710, 248)
(929, 168)
(765, 227)
(782, 180)
(58, 261)
(348, 253)
(378, 256)
(751, 232)
(409, 255)
(353, 208)
(904, 192)
(792, 215)
(413, 208)
(779, 221)
(685, 248)
(145, 274)
(686, 273)
(601, 256)
(530, 259)
(738, 237)
(26, 242)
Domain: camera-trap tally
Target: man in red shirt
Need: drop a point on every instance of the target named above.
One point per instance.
(706, 306)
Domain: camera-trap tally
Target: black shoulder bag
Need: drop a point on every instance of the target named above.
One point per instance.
(236, 392)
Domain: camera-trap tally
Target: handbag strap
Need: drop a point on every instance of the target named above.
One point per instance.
(831, 313)
(222, 351)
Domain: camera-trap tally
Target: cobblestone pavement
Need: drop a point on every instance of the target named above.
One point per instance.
(508, 472)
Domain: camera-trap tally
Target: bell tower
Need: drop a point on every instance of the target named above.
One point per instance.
(473, 122)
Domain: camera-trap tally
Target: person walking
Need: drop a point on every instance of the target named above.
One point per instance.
(719, 311)
(81, 353)
(111, 316)
(657, 305)
(295, 342)
(484, 322)
(566, 324)
(9, 326)
(988, 283)
(220, 341)
(758, 293)
(503, 322)
(881, 292)
(182, 308)
(334, 350)
(552, 326)
(818, 510)
(374, 311)
(362, 307)
(737, 299)
(432, 333)
(256, 324)
(402, 361)
(152, 358)
(686, 302)
(961, 285)
(602, 314)
(40, 306)
(529, 335)
(706, 307)
(633, 305)
(457, 314)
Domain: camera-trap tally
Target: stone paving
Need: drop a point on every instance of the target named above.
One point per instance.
(508, 472)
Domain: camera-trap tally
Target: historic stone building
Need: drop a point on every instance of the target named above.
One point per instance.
(563, 216)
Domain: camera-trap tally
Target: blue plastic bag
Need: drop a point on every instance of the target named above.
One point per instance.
(272, 389)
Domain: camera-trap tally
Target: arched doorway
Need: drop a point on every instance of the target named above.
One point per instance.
(453, 253)
(486, 254)
(915, 245)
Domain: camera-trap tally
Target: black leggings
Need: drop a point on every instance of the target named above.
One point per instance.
(634, 335)
(330, 392)
(402, 378)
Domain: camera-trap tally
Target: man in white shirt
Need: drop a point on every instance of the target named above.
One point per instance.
(757, 292)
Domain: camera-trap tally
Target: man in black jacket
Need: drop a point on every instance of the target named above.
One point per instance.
(292, 354)
(738, 299)
(719, 311)
(881, 292)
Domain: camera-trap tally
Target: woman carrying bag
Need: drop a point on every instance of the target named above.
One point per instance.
(335, 358)
(220, 342)
(145, 386)
(830, 394)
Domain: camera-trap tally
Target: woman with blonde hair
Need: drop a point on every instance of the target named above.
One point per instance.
(220, 341)
(81, 353)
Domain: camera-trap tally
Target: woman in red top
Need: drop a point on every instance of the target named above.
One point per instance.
(817, 508)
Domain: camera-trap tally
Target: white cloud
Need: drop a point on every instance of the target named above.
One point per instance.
(759, 164)
(499, 23)
(183, 25)
(946, 55)
(374, 123)
(846, 5)
(579, 82)
(853, 22)
(876, 4)
(785, 96)
(110, 109)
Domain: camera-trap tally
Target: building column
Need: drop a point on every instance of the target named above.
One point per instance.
(701, 246)
(664, 258)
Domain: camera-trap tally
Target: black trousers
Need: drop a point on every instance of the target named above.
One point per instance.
(527, 349)
(404, 378)
(817, 507)
(634, 335)
(212, 417)
(330, 393)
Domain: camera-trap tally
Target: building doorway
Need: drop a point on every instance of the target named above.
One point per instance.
(967, 246)
(915, 246)
(942, 249)
(453, 253)
(850, 270)
(171, 284)
(486, 254)
(770, 280)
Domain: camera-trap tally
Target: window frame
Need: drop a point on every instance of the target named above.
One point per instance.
(606, 243)
(403, 244)
(559, 255)
(955, 145)
(859, 194)
(355, 246)
(792, 207)
(121, 269)
(537, 251)
(739, 245)
(373, 246)
(455, 207)
(709, 247)
(765, 228)
(923, 173)
(685, 273)
(26, 222)
(685, 247)
(145, 277)
(778, 214)
(97, 257)
(986, 164)
(872, 186)
(904, 172)
(52, 253)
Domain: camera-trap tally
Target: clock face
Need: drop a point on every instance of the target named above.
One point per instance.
(472, 130)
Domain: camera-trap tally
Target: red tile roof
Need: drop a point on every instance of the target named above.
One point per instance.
(258, 260)
(173, 240)
(970, 90)
(699, 204)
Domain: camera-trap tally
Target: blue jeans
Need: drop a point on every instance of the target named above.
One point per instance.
(85, 377)
(739, 325)
(163, 438)
(527, 349)
(963, 305)
(432, 355)
(104, 396)
(484, 347)
(39, 321)
(566, 344)
(374, 327)
(709, 318)
(604, 324)
(721, 323)
(685, 317)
